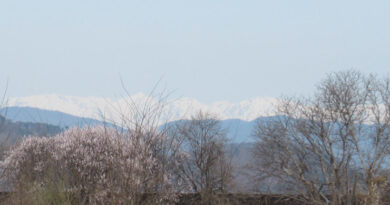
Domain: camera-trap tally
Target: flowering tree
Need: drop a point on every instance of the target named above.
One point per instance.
(99, 165)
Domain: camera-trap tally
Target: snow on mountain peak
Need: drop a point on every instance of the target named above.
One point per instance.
(94, 107)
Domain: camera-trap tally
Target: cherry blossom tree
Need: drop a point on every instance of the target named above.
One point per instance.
(97, 164)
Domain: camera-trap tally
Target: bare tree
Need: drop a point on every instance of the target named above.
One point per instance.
(206, 167)
(331, 146)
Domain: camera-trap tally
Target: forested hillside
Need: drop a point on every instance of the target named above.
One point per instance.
(11, 131)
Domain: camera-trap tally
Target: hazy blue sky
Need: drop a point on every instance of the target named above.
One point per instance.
(207, 49)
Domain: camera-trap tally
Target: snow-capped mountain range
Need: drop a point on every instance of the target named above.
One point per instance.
(175, 109)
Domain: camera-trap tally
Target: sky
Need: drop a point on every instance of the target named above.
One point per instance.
(210, 50)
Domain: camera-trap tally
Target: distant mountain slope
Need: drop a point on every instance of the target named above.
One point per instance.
(237, 131)
(176, 109)
(35, 115)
